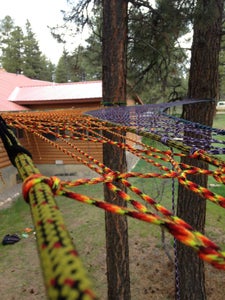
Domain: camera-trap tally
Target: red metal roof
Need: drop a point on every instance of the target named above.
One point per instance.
(17, 91)
(57, 92)
(8, 82)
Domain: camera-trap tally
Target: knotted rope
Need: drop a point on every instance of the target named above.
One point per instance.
(63, 271)
(182, 231)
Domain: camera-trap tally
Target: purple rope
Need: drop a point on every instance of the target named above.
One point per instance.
(151, 118)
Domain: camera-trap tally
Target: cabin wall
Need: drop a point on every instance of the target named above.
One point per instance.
(49, 158)
(58, 152)
(4, 160)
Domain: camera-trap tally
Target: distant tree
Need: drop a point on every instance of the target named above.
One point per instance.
(90, 58)
(6, 27)
(156, 62)
(82, 64)
(20, 53)
(32, 54)
(13, 52)
(47, 69)
(63, 68)
(78, 70)
(92, 51)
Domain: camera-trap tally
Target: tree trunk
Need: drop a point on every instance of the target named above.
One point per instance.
(116, 231)
(114, 47)
(114, 93)
(203, 84)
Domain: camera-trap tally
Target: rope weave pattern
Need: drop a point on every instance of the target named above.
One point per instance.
(63, 271)
(182, 231)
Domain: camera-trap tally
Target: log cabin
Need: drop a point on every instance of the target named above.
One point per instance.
(20, 93)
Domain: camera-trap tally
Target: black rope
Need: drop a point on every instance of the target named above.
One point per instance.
(10, 142)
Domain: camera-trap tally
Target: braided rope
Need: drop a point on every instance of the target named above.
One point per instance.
(88, 122)
(64, 275)
(182, 231)
(202, 191)
(54, 243)
(67, 121)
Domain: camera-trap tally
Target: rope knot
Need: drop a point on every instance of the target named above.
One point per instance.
(55, 185)
(109, 177)
(53, 182)
(194, 152)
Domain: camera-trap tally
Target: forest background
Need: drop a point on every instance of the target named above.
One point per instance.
(156, 68)
(158, 54)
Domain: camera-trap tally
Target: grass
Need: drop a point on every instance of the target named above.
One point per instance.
(14, 220)
(86, 226)
(218, 121)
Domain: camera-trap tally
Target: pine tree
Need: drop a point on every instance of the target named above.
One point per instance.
(47, 69)
(6, 28)
(156, 63)
(114, 73)
(13, 53)
(155, 60)
(203, 84)
(20, 53)
(63, 69)
(32, 54)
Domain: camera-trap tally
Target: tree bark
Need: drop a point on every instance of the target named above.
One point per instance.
(116, 231)
(203, 84)
(114, 93)
(114, 47)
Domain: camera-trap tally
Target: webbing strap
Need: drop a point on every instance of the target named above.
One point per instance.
(10, 143)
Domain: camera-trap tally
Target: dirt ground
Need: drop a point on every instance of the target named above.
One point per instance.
(152, 273)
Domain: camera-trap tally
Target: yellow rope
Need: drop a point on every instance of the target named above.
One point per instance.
(64, 275)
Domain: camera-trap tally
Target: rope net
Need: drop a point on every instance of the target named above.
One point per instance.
(63, 271)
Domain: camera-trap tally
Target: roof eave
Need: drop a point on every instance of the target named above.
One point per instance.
(58, 101)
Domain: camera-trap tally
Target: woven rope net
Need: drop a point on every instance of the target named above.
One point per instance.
(148, 122)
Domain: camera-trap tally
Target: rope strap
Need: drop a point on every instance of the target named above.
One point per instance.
(10, 143)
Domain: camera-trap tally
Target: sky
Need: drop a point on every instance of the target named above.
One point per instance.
(40, 13)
